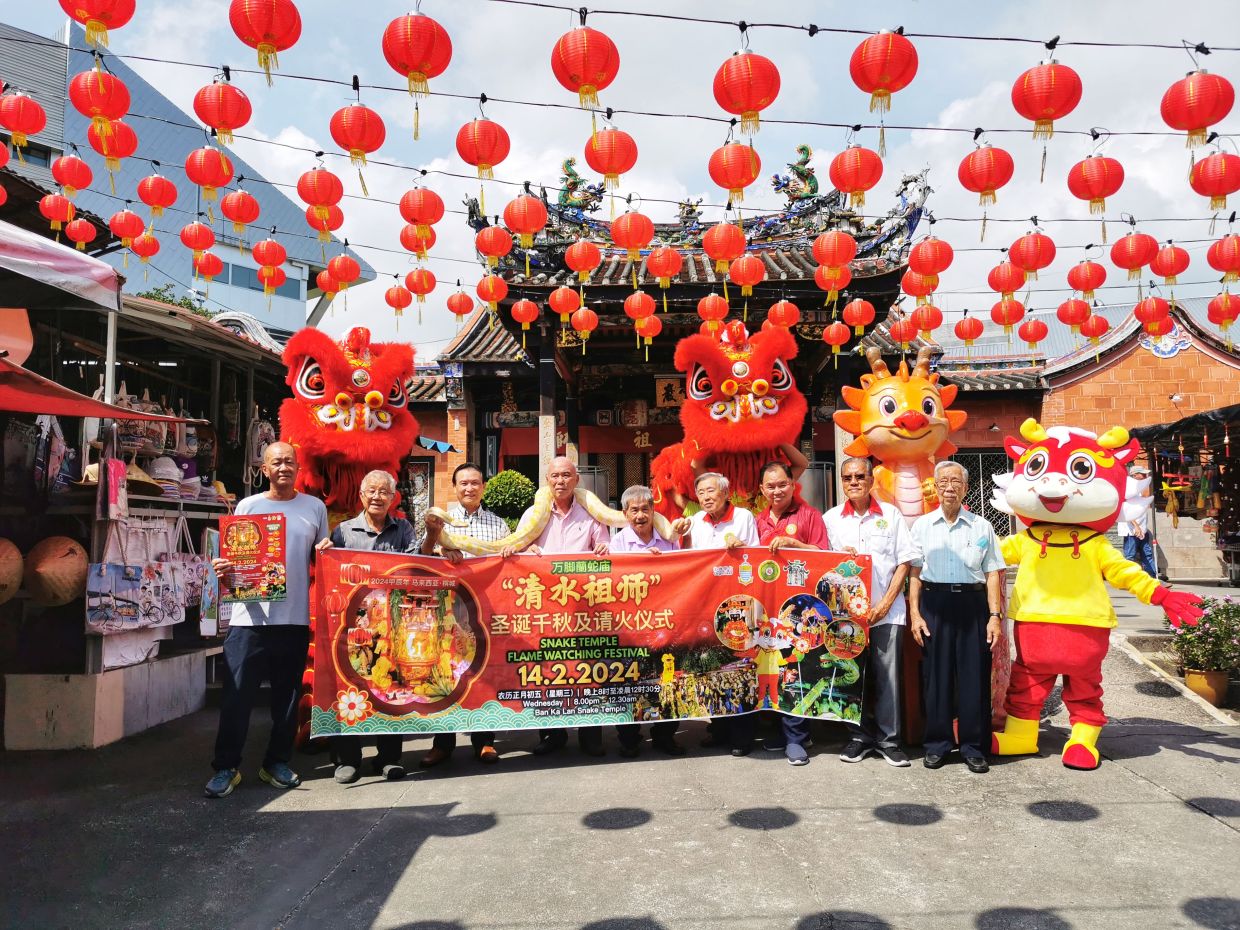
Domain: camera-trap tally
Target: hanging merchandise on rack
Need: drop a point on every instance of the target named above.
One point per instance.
(258, 436)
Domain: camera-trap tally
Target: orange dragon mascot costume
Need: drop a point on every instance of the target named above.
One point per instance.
(1068, 488)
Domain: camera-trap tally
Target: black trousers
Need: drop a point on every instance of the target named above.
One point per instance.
(447, 741)
(630, 734)
(348, 749)
(251, 654)
(558, 736)
(956, 671)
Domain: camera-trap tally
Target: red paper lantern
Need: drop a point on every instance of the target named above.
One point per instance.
(855, 171)
(1150, 310)
(272, 277)
(585, 61)
(1195, 103)
(120, 142)
(917, 285)
(358, 130)
(320, 189)
(483, 144)
(745, 85)
(1033, 332)
(712, 308)
(80, 231)
(240, 208)
(268, 26)
(71, 173)
(1216, 176)
(98, 16)
(493, 243)
(632, 231)
(269, 252)
(1159, 328)
(1087, 277)
(783, 313)
(197, 237)
(835, 335)
(1073, 313)
(1134, 252)
(398, 298)
(325, 225)
(224, 108)
(1031, 253)
(1169, 263)
(526, 216)
(931, 256)
(984, 170)
(927, 318)
(4, 196)
(968, 329)
(100, 96)
(903, 332)
(491, 290)
(834, 248)
(1095, 328)
(22, 116)
(734, 167)
(664, 263)
(1007, 313)
(1224, 257)
(158, 193)
(327, 284)
(1095, 179)
(611, 152)
(208, 266)
(524, 312)
(584, 322)
(746, 272)
(145, 247)
(858, 314)
(419, 48)
(1045, 93)
(723, 243)
(564, 300)
(345, 269)
(648, 328)
(881, 65)
(423, 207)
(1223, 310)
(638, 305)
(583, 256)
(421, 281)
(1006, 279)
(210, 169)
(4, 155)
(417, 243)
(832, 280)
(460, 304)
(126, 226)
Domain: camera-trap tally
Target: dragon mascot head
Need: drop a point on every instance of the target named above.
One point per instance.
(903, 421)
(741, 404)
(349, 413)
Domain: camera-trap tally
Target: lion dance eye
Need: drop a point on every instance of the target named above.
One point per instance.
(396, 396)
(781, 378)
(1081, 468)
(700, 387)
(310, 381)
(1035, 464)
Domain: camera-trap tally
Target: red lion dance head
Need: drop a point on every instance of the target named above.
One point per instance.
(349, 413)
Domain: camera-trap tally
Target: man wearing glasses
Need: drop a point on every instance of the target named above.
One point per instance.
(952, 587)
(373, 530)
(864, 526)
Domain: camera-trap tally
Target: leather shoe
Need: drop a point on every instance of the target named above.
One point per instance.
(593, 749)
(487, 755)
(739, 751)
(933, 760)
(434, 757)
(629, 752)
(977, 764)
(549, 745)
(668, 747)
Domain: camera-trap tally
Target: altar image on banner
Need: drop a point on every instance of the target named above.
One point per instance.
(411, 644)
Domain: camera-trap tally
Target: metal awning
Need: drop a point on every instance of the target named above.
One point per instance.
(22, 391)
(37, 273)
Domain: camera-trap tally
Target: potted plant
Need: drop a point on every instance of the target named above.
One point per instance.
(1210, 651)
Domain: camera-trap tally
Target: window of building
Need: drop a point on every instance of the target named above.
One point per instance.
(33, 153)
(241, 276)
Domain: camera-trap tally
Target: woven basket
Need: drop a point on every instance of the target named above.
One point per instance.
(10, 570)
(55, 572)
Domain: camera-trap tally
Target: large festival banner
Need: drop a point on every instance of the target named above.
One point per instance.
(411, 644)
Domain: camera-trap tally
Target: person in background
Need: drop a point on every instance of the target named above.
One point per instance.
(637, 503)
(787, 523)
(373, 530)
(469, 484)
(720, 524)
(270, 639)
(1137, 539)
(954, 595)
(863, 525)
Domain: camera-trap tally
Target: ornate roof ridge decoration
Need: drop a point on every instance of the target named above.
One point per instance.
(782, 239)
(482, 338)
(247, 327)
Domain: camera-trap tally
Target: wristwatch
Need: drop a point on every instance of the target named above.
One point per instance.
(995, 613)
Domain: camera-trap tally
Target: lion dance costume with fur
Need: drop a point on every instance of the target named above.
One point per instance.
(1067, 489)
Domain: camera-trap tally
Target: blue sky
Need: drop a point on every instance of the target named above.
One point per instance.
(503, 50)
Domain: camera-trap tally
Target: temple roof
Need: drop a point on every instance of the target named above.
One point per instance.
(482, 339)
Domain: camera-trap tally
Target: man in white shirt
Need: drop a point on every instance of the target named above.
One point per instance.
(1135, 535)
(862, 525)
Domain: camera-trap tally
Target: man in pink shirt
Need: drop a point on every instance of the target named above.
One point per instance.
(569, 530)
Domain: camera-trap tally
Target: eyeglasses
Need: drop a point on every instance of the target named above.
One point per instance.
(377, 492)
(949, 482)
(850, 479)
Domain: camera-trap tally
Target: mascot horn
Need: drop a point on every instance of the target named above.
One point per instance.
(1067, 489)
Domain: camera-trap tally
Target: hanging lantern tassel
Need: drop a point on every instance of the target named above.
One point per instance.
(725, 289)
(882, 139)
(416, 121)
(594, 132)
(267, 59)
(1104, 231)
(982, 237)
(482, 199)
(125, 261)
(1042, 173)
(361, 178)
(745, 308)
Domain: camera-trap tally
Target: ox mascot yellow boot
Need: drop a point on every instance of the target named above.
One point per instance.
(1019, 738)
(1081, 752)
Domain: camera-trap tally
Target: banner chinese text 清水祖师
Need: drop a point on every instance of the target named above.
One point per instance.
(411, 644)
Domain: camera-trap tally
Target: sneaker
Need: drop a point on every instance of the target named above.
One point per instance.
(796, 754)
(856, 750)
(279, 775)
(346, 774)
(393, 771)
(771, 744)
(894, 755)
(222, 783)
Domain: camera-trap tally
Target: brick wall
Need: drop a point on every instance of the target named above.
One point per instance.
(1006, 409)
(448, 426)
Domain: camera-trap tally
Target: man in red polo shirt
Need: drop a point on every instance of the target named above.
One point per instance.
(788, 523)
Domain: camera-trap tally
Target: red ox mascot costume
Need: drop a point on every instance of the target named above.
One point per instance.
(1067, 489)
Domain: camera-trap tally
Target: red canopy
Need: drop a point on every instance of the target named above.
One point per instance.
(22, 391)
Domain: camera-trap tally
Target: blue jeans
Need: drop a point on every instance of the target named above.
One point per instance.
(1141, 551)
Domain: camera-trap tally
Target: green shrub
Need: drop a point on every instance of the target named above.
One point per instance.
(509, 494)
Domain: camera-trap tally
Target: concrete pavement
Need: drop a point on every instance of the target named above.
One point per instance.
(123, 837)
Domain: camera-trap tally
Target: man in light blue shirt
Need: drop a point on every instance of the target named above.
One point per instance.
(952, 586)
